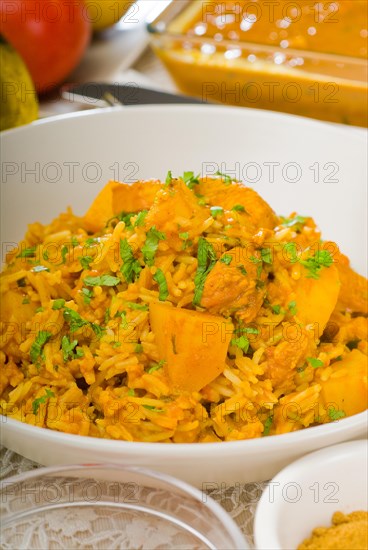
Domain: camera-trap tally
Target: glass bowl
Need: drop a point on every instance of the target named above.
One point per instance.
(108, 506)
(316, 84)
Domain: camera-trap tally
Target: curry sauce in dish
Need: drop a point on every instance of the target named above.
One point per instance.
(306, 58)
(181, 311)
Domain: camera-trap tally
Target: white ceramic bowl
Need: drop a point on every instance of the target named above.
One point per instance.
(296, 164)
(307, 492)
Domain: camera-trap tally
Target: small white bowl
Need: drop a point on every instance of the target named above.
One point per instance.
(305, 494)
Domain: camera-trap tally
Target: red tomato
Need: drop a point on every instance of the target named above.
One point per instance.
(50, 35)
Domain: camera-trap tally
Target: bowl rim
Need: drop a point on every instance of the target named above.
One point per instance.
(266, 444)
(217, 510)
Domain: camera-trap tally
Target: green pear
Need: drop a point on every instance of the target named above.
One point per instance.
(18, 97)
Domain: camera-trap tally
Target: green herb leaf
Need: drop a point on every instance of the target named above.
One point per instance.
(74, 319)
(267, 425)
(103, 280)
(160, 279)
(153, 409)
(242, 343)
(206, 262)
(216, 211)
(58, 304)
(36, 349)
(184, 235)
(169, 178)
(190, 179)
(28, 252)
(131, 267)
(156, 366)
(292, 307)
(290, 222)
(140, 218)
(68, 347)
(266, 255)
(226, 259)
(138, 348)
(131, 392)
(150, 247)
(315, 363)
(141, 307)
(85, 261)
(64, 252)
(242, 269)
(225, 178)
(26, 300)
(276, 309)
(238, 208)
(335, 414)
(40, 400)
(320, 259)
(87, 295)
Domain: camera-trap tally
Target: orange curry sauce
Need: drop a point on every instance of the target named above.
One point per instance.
(303, 57)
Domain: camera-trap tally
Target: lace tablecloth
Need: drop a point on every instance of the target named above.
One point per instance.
(239, 501)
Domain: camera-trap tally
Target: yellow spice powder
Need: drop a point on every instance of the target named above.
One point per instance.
(348, 532)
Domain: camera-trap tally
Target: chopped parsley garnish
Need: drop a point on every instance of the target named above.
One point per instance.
(87, 295)
(150, 247)
(242, 343)
(40, 400)
(90, 241)
(258, 262)
(315, 363)
(320, 259)
(45, 255)
(74, 241)
(28, 252)
(276, 309)
(290, 222)
(76, 322)
(140, 218)
(131, 267)
(226, 259)
(268, 425)
(64, 252)
(335, 414)
(292, 307)
(266, 255)
(37, 347)
(122, 217)
(40, 309)
(190, 179)
(131, 392)
(216, 211)
(225, 177)
(141, 307)
(103, 280)
(116, 344)
(153, 409)
(58, 304)
(156, 366)
(26, 300)
(184, 235)
(206, 262)
(85, 261)
(242, 269)
(138, 348)
(169, 178)
(68, 348)
(238, 208)
(160, 279)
